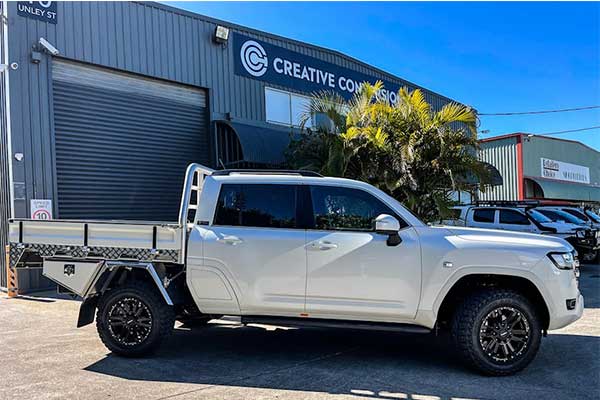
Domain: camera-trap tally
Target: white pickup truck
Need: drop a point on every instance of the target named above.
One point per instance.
(526, 216)
(294, 248)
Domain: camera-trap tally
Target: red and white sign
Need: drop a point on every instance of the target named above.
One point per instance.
(41, 209)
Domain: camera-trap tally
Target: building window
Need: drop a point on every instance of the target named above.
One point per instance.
(286, 108)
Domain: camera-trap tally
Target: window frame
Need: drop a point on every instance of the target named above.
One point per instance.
(508, 210)
(290, 95)
(310, 216)
(298, 218)
(493, 210)
(289, 106)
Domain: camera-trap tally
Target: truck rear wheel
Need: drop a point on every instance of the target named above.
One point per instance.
(497, 331)
(133, 320)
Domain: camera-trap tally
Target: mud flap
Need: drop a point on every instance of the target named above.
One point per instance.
(87, 311)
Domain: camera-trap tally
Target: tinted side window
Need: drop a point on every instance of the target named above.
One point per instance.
(577, 214)
(338, 208)
(550, 214)
(484, 215)
(513, 217)
(269, 206)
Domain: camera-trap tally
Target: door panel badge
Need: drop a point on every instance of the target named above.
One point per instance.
(69, 269)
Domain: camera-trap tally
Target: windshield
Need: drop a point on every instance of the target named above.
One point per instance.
(593, 215)
(538, 216)
(557, 215)
(576, 213)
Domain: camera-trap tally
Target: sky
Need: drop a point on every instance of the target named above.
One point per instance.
(496, 57)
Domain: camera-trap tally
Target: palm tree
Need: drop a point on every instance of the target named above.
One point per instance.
(417, 154)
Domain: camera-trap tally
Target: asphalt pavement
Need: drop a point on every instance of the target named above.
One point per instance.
(45, 357)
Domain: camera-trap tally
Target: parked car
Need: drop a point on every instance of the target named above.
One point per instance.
(523, 217)
(298, 249)
(588, 243)
(588, 216)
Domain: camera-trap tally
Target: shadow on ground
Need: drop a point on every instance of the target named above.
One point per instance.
(371, 364)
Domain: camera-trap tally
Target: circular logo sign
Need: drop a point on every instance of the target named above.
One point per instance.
(254, 58)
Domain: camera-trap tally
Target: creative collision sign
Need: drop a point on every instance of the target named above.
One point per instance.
(274, 64)
(41, 10)
(563, 171)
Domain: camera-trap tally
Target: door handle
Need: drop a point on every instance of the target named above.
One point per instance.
(232, 240)
(323, 245)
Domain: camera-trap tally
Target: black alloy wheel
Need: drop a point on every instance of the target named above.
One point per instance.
(504, 334)
(133, 319)
(130, 321)
(497, 331)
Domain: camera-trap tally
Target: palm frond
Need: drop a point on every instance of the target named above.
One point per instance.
(454, 112)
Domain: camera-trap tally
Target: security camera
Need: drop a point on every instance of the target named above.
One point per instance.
(48, 46)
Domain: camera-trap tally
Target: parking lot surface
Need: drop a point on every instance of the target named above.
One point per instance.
(45, 357)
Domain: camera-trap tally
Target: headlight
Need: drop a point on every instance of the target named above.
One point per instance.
(562, 260)
(580, 234)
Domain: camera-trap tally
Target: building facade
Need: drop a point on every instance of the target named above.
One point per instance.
(542, 168)
(105, 103)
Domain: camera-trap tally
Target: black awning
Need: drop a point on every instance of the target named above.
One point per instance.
(495, 179)
(262, 145)
(494, 174)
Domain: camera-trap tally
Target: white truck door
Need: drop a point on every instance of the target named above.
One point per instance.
(253, 239)
(514, 220)
(352, 272)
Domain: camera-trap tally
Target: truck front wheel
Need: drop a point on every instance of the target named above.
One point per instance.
(497, 331)
(132, 320)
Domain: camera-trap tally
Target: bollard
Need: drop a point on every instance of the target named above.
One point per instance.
(11, 276)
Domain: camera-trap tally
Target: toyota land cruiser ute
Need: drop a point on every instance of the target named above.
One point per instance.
(293, 248)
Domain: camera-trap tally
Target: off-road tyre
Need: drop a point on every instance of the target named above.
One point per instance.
(473, 320)
(146, 338)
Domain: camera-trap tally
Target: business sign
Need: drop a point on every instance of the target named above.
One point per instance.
(274, 64)
(563, 171)
(41, 209)
(40, 10)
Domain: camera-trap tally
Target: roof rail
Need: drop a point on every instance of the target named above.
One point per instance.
(508, 203)
(300, 172)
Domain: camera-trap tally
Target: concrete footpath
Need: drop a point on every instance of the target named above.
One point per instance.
(45, 357)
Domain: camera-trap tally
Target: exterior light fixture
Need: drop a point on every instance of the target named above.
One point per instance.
(221, 34)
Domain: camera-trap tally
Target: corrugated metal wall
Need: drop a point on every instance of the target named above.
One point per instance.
(502, 154)
(4, 155)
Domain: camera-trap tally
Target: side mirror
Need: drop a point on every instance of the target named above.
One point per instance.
(387, 225)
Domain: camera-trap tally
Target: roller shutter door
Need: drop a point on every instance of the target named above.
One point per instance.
(123, 143)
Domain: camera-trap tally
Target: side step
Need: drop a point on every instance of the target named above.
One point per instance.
(334, 323)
